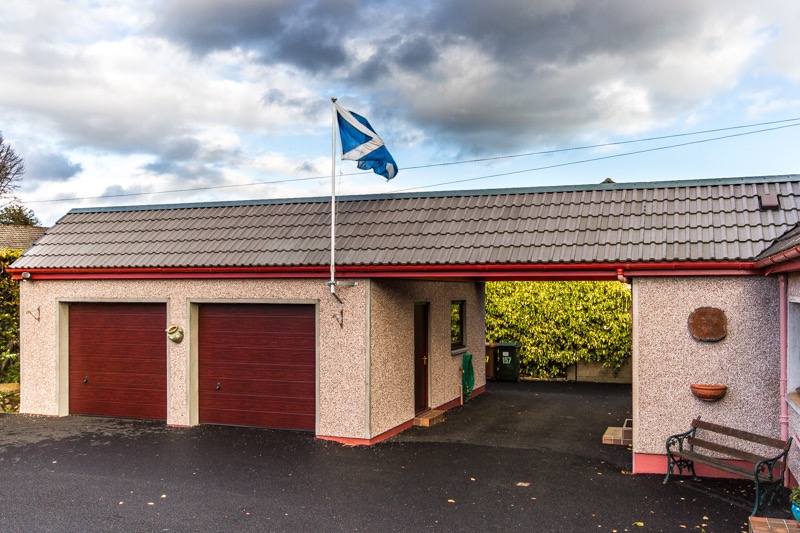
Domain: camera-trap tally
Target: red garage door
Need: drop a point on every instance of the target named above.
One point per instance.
(257, 365)
(118, 359)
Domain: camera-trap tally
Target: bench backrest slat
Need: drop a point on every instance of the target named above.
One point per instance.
(740, 434)
(731, 453)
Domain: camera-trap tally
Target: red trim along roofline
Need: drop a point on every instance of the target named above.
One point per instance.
(488, 272)
(781, 262)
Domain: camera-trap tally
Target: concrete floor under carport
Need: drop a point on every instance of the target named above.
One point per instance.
(534, 415)
(520, 457)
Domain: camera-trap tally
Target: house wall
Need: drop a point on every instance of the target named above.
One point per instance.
(793, 370)
(392, 346)
(667, 359)
(341, 366)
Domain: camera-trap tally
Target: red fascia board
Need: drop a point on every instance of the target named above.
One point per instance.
(169, 273)
(662, 268)
(598, 271)
(791, 265)
(788, 257)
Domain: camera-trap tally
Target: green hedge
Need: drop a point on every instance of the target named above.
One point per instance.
(557, 324)
(9, 320)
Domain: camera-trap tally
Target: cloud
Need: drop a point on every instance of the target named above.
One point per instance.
(180, 92)
(498, 75)
(49, 166)
(304, 34)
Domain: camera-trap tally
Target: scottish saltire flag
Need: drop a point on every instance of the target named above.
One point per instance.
(361, 143)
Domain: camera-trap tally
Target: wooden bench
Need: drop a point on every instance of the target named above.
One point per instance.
(683, 452)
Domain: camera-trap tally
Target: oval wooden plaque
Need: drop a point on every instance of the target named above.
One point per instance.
(708, 324)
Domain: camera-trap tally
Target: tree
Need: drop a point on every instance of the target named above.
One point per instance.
(557, 323)
(9, 320)
(15, 213)
(12, 167)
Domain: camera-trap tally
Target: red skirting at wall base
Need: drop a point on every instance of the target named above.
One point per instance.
(398, 429)
(646, 463)
(369, 442)
(457, 401)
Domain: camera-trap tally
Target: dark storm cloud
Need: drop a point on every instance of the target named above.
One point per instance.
(310, 45)
(476, 73)
(311, 35)
(49, 166)
(522, 31)
(416, 53)
(307, 35)
(208, 25)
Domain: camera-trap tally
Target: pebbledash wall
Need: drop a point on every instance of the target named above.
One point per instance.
(392, 342)
(793, 370)
(667, 359)
(364, 365)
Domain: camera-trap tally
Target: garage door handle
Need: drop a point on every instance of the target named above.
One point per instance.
(86, 379)
(218, 385)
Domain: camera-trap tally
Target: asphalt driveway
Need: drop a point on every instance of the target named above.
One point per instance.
(522, 457)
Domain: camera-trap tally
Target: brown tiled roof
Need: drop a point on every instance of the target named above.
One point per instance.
(787, 241)
(18, 236)
(680, 221)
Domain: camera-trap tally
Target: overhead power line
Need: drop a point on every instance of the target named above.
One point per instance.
(485, 159)
(592, 159)
(608, 144)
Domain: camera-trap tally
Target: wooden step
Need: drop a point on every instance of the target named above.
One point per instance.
(429, 418)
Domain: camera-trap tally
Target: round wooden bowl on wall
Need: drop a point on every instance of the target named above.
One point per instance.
(708, 392)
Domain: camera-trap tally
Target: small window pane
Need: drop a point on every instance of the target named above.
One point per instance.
(457, 321)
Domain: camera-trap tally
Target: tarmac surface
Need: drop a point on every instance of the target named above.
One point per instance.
(521, 457)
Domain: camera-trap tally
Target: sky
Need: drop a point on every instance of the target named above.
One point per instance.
(136, 102)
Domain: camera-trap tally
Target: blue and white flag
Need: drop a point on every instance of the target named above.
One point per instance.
(361, 143)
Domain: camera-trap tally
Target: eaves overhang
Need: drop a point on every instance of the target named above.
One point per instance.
(786, 261)
(477, 272)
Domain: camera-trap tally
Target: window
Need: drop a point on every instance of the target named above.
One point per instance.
(457, 323)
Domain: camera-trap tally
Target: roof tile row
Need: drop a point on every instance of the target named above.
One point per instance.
(704, 220)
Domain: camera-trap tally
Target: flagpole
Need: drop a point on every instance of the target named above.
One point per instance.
(332, 283)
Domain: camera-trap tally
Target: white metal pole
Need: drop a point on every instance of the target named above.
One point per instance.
(333, 198)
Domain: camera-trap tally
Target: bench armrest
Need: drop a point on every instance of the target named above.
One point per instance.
(678, 439)
(766, 467)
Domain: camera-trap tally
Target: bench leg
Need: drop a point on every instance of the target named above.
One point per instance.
(672, 462)
(669, 468)
(758, 498)
(771, 490)
(681, 464)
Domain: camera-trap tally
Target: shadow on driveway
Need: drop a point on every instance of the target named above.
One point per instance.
(521, 457)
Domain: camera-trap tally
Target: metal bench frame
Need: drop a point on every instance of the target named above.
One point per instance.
(767, 472)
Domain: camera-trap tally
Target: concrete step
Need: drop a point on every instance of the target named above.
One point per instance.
(620, 435)
(429, 418)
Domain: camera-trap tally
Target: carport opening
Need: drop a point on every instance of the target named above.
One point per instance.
(563, 331)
